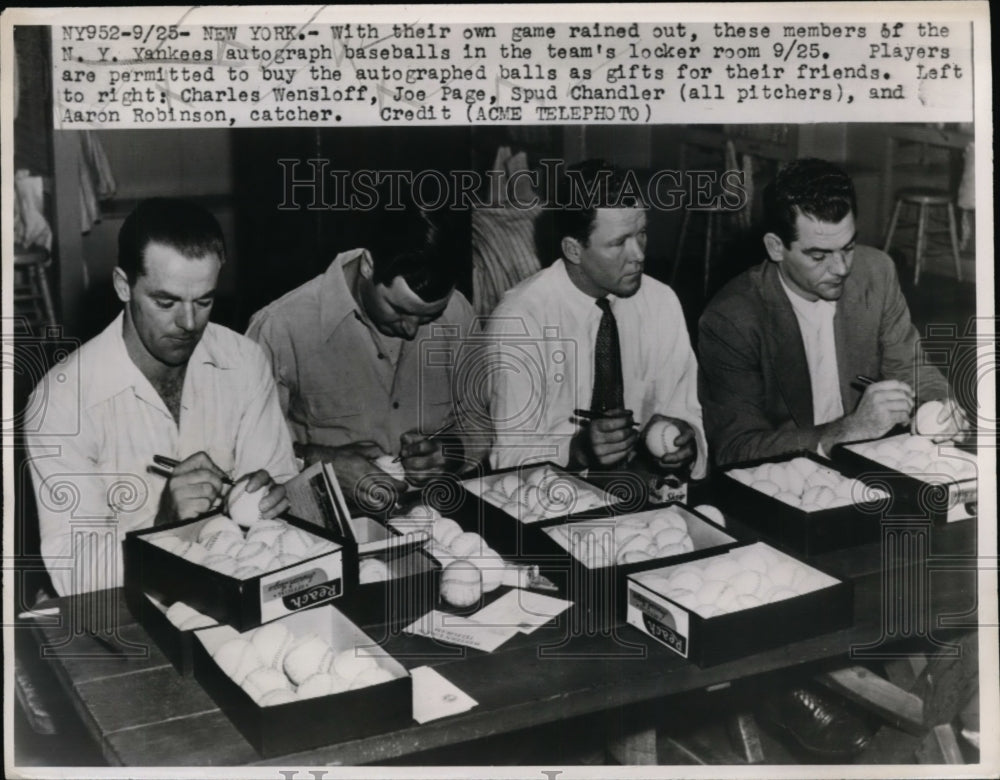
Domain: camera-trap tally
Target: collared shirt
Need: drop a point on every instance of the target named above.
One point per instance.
(542, 364)
(336, 380)
(97, 422)
(815, 320)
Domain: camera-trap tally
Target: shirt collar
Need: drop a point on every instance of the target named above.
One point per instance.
(576, 298)
(813, 311)
(337, 302)
(113, 370)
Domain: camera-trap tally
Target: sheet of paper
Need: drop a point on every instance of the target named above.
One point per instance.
(458, 630)
(435, 697)
(521, 609)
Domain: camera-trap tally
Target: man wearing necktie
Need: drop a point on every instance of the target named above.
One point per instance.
(592, 334)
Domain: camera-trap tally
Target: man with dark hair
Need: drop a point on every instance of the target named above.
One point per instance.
(592, 332)
(160, 380)
(781, 348)
(347, 354)
(783, 344)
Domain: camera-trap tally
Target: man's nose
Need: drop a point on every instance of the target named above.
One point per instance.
(186, 318)
(636, 251)
(839, 263)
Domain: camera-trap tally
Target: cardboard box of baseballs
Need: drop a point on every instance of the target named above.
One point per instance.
(802, 502)
(243, 577)
(171, 626)
(743, 601)
(600, 553)
(925, 479)
(393, 586)
(507, 505)
(309, 679)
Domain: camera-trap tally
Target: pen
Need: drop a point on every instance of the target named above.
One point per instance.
(164, 466)
(446, 427)
(862, 381)
(586, 415)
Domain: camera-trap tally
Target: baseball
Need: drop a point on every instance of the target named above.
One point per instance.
(660, 438)
(322, 684)
(237, 658)
(461, 583)
(272, 641)
(372, 570)
(396, 470)
(371, 677)
(307, 656)
(350, 663)
(712, 513)
(244, 507)
(216, 525)
(931, 420)
(277, 696)
(263, 680)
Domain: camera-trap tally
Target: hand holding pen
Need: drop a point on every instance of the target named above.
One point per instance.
(606, 439)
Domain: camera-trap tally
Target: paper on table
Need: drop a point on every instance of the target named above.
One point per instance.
(435, 697)
(460, 631)
(523, 610)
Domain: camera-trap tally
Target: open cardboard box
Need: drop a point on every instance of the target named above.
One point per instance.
(308, 723)
(947, 491)
(597, 583)
(505, 527)
(660, 608)
(792, 527)
(242, 603)
(175, 643)
(411, 577)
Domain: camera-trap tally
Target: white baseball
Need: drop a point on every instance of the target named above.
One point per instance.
(660, 438)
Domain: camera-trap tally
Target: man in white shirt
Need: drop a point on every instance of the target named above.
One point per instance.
(592, 333)
(781, 347)
(160, 380)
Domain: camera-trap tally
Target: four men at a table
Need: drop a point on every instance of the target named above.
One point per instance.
(335, 370)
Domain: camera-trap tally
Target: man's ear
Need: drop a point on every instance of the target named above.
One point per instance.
(122, 288)
(571, 250)
(775, 247)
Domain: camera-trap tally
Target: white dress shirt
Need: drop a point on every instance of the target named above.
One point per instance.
(815, 320)
(541, 365)
(98, 422)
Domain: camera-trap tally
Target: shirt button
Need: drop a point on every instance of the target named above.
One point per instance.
(395, 404)
(381, 356)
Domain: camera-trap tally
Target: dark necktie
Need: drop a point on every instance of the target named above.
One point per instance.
(609, 392)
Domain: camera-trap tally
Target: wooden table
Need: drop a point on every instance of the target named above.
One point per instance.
(143, 713)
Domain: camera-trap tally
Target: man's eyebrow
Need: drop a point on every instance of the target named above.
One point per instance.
(164, 295)
(824, 250)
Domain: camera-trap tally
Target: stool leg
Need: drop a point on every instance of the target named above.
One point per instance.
(921, 228)
(678, 256)
(43, 285)
(954, 242)
(892, 225)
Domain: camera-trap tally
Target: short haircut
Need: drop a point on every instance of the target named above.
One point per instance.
(422, 247)
(817, 188)
(179, 224)
(583, 189)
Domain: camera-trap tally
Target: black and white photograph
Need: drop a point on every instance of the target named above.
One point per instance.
(538, 391)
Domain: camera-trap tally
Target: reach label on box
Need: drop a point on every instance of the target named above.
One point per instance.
(662, 621)
(307, 585)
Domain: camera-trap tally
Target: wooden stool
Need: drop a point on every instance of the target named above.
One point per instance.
(32, 296)
(925, 199)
